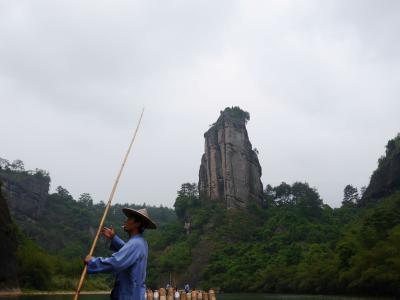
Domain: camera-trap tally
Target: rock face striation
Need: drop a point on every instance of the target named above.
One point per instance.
(230, 171)
(8, 248)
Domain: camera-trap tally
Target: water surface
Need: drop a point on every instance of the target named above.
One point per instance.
(219, 297)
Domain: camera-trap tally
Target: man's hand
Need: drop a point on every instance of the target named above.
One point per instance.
(87, 259)
(108, 232)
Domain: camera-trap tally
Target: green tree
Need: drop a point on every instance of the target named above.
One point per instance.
(4, 164)
(237, 112)
(42, 173)
(188, 196)
(17, 165)
(350, 196)
(283, 194)
(63, 193)
(307, 199)
(86, 199)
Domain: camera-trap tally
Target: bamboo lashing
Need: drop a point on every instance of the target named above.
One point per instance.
(83, 275)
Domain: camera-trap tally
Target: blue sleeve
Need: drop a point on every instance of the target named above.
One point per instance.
(124, 258)
(116, 243)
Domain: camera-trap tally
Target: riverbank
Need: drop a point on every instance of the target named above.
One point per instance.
(17, 293)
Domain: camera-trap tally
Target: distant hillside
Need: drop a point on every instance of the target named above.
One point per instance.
(294, 244)
(57, 222)
(56, 230)
(386, 178)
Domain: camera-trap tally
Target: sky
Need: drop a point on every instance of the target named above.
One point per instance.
(320, 80)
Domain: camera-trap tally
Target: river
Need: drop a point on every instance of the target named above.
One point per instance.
(219, 297)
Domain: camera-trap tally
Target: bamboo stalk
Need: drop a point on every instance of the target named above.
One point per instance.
(83, 275)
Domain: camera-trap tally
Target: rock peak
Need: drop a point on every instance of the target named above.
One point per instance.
(230, 171)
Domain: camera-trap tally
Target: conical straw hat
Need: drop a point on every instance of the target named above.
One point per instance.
(142, 213)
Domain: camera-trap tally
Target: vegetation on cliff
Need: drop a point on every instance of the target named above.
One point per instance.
(236, 112)
(385, 179)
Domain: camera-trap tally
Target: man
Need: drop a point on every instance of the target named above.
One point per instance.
(129, 262)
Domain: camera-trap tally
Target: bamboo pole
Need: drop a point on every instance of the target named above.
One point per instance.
(212, 295)
(163, 294)
(114, 188)
(194, 295)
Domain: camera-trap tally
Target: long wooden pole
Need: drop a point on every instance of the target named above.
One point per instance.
(83, 275)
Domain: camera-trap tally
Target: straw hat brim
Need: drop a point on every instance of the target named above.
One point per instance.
(142, 213)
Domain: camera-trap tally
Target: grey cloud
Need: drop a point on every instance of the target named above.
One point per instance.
(80, 56)
(319, 80)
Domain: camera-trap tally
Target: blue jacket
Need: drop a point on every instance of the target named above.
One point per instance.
(129, 266)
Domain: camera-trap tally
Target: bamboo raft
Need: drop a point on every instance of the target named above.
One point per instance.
(170, 294)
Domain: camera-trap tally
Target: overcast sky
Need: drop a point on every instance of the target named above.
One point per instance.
(320, 80)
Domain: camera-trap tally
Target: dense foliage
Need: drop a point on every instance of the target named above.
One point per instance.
(385, 179)
(294, 243)
(51, 246)
(290, 243)
(50, 251)
(39, 270)
(78, 221)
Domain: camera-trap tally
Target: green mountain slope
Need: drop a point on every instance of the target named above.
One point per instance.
(291, 243)
(56, 231)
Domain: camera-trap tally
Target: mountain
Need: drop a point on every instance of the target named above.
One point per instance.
(230, 171)
(293, 243)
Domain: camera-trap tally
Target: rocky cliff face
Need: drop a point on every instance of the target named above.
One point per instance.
(8, 248)
(26, 194)
(230, 170)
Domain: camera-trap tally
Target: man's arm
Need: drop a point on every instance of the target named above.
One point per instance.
(124, 258)
(116, 243)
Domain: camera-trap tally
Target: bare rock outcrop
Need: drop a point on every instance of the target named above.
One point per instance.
(230, 171)
(26, 195)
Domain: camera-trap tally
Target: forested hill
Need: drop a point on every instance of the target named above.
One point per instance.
(290, 243)
(56, 230)
(386, 178)
(58, 222)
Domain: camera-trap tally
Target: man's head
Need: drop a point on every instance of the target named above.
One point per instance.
(134, 225)
(137, 221)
